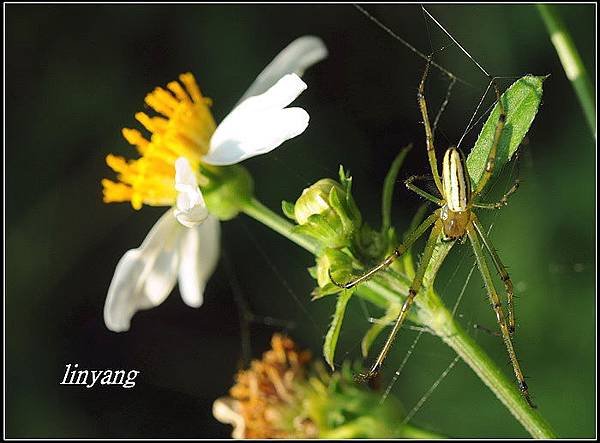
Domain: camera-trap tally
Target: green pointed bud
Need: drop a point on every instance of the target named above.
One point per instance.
(326, 211)
(229, 189)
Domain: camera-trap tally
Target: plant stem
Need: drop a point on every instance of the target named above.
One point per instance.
(571, 61)
(455, 337)
(261, 213)
(409, 431)
(432, 313)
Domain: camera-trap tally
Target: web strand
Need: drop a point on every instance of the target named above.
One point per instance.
(462, 291)
(427, 394)
(408, 45)
(469, 127)
(399, 370)
(244, 312)
(456, 42)
(281, 279)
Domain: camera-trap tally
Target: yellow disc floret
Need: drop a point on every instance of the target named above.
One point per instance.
(183, 128)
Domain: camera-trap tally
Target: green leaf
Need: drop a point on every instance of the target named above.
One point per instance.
(521, 102)
(334, 328)
(388, 188)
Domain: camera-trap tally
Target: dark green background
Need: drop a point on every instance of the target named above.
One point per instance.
(75, 75)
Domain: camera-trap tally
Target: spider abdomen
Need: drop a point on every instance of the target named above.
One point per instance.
(456, 181)
(456, 184)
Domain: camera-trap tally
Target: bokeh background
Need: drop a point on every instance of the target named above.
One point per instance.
(75, 75)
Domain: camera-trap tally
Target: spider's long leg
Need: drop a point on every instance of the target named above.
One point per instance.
(503, 201)
(428, 131)
(401, 249)
(501, 270)
(409, 184)
(497, 306)
(491, 160)
(412, 293)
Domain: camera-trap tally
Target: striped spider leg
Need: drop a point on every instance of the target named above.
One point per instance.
(454, 220)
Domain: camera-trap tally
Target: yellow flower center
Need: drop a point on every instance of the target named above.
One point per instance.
(183, 128)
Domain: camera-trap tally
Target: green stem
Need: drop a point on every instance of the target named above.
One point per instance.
(455, 337)
(431, 312)
(409, 431)
(261, 213)
(571, 61)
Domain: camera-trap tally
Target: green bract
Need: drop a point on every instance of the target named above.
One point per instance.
(332, 262)
(229, 190)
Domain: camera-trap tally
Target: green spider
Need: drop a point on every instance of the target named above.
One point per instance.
(454, 220)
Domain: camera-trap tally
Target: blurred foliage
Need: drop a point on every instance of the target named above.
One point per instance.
(76, 74)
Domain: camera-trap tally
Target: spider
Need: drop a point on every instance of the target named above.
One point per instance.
(454, 220)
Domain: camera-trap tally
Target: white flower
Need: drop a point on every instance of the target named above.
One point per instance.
(184, 244)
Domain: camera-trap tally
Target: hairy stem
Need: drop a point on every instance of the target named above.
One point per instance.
(434, 314)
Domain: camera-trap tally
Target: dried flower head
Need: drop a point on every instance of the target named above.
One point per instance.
(265, 396)
(288, 395)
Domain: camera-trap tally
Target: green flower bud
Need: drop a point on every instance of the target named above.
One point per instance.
(229, 189)
(315, 200)
(327, 212)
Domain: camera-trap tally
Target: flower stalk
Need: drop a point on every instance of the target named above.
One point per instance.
(432, 313)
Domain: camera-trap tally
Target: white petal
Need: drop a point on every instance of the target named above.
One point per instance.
(298, 56)
(145, 276)
(199, 256)
(228, 411)
(285, 91)
(259, 124)
(191, 209)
